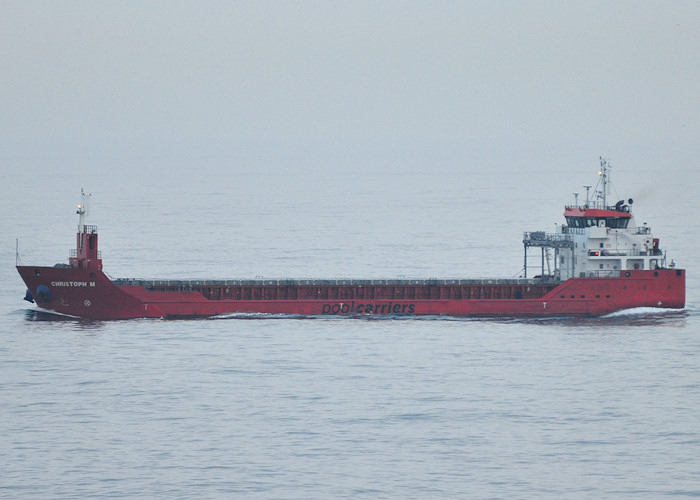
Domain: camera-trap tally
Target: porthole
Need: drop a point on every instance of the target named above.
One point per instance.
(656, 274)
(627, 274)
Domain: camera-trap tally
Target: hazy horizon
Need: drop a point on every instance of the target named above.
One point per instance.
(86, 84)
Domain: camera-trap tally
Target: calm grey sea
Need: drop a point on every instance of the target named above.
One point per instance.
(252, 407)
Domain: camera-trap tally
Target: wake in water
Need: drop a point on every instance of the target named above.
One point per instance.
(641, 316)
(645, 311)
(638, 316)
(634, 317)
(260, 316)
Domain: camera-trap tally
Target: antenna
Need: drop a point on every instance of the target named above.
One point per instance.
(588, 190)
(18, 261)
(576, 199)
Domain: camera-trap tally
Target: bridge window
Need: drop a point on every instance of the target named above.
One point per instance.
(611, 222)
(617, 222)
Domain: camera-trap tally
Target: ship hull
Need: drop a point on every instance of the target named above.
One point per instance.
(89, 293)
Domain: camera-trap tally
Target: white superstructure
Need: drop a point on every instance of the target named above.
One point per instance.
(598, 240)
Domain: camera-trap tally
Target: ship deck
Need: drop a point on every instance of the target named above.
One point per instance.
(157, 283)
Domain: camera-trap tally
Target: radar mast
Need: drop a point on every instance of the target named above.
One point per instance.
(604, 174)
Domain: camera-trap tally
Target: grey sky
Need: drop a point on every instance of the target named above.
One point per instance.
(133, 81)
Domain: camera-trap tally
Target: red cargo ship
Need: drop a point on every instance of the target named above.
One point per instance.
(598, 263)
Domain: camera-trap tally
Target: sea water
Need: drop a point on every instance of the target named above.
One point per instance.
(249, 406)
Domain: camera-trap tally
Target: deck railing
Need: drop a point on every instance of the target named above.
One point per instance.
(73, 253)
(612, 273)
(542, 239)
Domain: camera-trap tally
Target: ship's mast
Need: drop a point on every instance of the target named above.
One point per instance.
(85, 254)
(82, 210)
(604, 166)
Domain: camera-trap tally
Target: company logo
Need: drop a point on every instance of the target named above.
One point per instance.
(373, 308)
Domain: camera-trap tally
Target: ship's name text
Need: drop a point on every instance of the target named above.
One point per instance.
(73, 283)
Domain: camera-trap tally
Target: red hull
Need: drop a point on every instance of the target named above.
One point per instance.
(88, 293)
